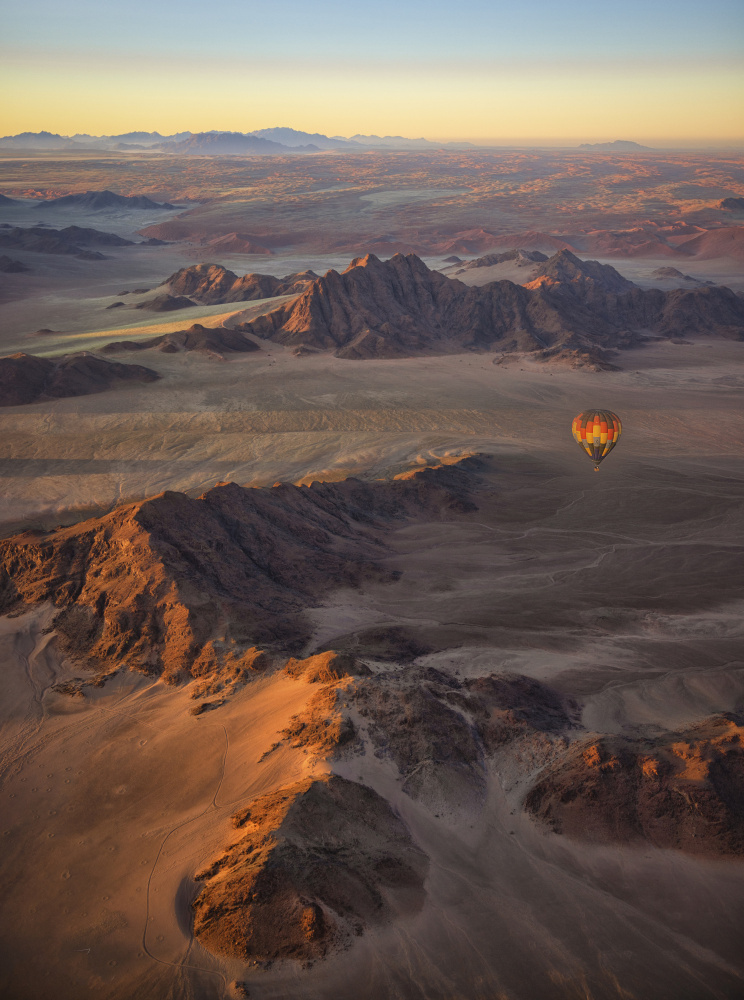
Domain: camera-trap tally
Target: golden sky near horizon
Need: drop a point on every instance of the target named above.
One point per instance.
(537, 102)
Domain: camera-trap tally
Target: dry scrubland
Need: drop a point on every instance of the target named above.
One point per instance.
(474, 731)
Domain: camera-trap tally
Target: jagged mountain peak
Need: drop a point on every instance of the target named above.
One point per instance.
(565, 267)
(368, 260)
(213, 283)
(409, 261)
(400, 307)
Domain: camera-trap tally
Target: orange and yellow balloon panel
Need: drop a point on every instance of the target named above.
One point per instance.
(597, 431)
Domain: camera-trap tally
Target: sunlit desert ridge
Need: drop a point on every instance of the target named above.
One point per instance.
(330, 666)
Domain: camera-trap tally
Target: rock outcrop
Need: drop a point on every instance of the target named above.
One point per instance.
(506, 706)
(438, 730)
(166, 303)
(213, 284)
(10, 266)
(681, 790)
(434, 746)
(25, 378)
(567, 272)
(326, 667)
(323, 729)
(320, 861)
(664, 273)
(525, 257)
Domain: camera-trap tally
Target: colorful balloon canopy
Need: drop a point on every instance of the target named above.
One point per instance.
(597, 431)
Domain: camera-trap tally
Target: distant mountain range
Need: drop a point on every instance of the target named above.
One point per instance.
(260, 142)
(618, 146)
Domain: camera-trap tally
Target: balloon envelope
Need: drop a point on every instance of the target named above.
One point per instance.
(597, 432)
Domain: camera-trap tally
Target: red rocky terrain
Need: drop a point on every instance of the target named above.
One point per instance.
(682, 790)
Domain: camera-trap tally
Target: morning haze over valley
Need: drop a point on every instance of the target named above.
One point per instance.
(372, 507)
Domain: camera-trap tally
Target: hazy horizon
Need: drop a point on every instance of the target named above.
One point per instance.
(526, 142)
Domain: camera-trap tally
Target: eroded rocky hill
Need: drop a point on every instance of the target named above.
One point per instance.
(400, 307)
(680, 790)
(149, 584)
(213, 284)
(25, 378)
(73, 240)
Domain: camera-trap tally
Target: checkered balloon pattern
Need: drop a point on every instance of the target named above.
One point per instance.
(597, 431)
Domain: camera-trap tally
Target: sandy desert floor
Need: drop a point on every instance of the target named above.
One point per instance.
(112, 802)
(622, 590)
(270, 417)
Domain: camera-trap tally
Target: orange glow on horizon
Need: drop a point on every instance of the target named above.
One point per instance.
(508, 106)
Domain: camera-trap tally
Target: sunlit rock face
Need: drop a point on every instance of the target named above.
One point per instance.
(682, 790)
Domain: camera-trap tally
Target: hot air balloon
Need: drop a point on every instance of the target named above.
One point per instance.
(597, 431)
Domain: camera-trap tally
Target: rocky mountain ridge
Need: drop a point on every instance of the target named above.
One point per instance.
(317, 865)
(213, 284)
(266, 141)
(681, 790)
(399, 308)
(519, 256)
(617, 146)
(149, 584)
(96, 201)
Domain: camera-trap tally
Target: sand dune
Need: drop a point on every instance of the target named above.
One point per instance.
(728, 242)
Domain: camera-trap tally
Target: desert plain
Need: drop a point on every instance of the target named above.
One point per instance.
(420, 706)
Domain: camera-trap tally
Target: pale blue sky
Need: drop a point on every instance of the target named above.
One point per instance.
(384, 29)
